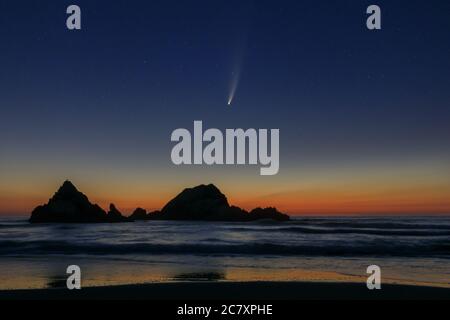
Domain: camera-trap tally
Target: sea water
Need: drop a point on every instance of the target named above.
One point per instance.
(414, 250)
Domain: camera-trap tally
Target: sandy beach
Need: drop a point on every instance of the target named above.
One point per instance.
(235, 291)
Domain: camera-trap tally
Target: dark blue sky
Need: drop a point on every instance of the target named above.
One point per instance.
(109, 96)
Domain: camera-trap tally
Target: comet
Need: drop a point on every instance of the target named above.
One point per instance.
(237, 62)
(235, 75)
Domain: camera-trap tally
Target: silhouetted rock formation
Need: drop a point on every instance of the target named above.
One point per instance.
(139, 214)
(206, 202)
(114, 215)
(153, 214)
(68, 205)
(268, 213)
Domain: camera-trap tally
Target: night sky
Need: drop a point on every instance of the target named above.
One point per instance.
(363, 115)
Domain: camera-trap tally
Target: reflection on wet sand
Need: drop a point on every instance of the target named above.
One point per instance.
(200, 276)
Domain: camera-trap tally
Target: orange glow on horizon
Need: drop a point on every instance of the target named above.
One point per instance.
(417, 189)
(313, 202)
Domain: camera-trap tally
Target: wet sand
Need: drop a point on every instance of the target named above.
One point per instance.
(235, 291)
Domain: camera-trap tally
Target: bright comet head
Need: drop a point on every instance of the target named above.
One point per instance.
(234, 84)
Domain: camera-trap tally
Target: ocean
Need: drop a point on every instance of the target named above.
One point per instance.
(409, 250)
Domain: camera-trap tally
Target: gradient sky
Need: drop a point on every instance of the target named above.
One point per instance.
(363, 116)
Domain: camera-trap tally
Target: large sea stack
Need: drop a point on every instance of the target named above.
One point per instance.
(207, 203)
(68, 205)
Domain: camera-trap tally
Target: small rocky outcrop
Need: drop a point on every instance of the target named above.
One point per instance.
(114, 215)
(139, 214)
(268, 213)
